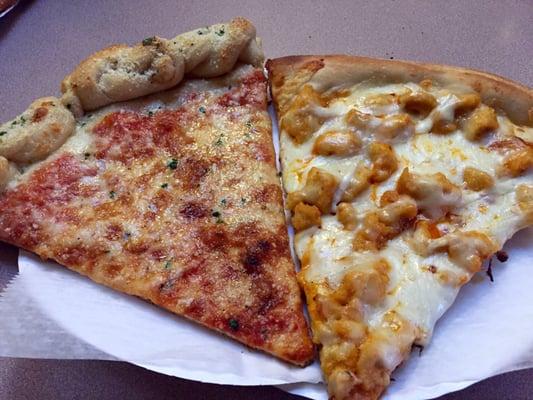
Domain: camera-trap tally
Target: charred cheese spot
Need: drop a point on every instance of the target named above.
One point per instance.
(214, 237)
(256, 255)
(114, 231)
(267, 194)
(194, 210)
(191, 172)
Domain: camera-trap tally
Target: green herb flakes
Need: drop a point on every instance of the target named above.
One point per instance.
(224, 202)
(168, 265)
(164, 185)
(173, 164)
(233, 324)
(112, 194)
(2, 133)
(148, 41)
(86, 155)
(202, 109)
(218, 217)
(220, 32)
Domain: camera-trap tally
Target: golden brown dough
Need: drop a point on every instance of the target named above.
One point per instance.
(120, 72)
(212, 51)
(6, 172)
(330, 71)
(37, 132)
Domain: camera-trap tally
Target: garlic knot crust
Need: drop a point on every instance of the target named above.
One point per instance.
(173, 198)
(121, 72)
(401, 179)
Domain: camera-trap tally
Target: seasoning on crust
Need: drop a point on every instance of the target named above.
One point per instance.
(120, 72)
(173, 198)
(402, 178)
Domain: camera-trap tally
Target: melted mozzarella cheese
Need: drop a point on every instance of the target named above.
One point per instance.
(420, 288)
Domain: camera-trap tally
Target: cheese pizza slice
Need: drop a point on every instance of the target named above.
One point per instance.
(402, 179)
(173, 197)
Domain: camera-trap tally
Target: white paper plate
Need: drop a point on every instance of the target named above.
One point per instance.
(133, 330)
(485, 333)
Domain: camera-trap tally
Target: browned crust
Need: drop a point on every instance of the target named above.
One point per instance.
(119, 72)
(514, 99)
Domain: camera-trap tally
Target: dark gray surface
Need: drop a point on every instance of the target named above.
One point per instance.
(41, 41)
(110, 380)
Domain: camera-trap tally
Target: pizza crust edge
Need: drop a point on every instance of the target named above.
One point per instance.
(514, 99)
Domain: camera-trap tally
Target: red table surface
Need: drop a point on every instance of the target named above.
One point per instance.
(41, 41)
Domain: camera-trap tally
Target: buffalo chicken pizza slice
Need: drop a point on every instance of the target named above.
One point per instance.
(402, 179)
(172, 197)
